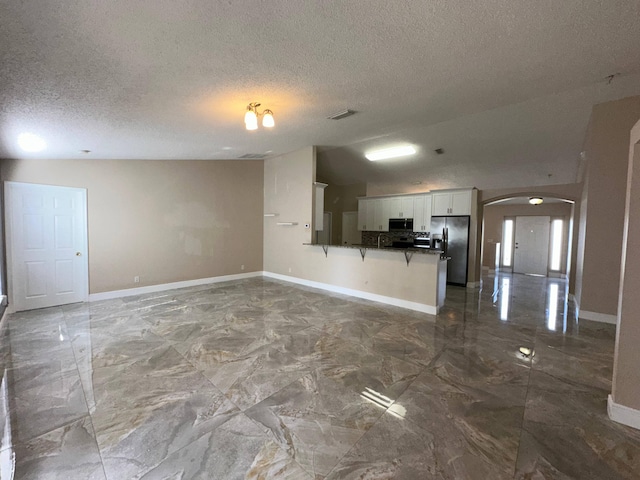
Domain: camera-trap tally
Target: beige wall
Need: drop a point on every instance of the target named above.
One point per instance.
(606, 152)
(580, 227)
(626, 374)
(164, 221)
(288, 191)
(339, 199)
(494, 218)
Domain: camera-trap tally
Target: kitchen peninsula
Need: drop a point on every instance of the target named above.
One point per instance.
(292, 218)
(414, 278)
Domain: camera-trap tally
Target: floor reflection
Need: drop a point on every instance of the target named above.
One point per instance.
(556, 306)
(264, 379)
(504, 298)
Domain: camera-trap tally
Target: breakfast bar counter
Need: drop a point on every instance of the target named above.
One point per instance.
(414, 278)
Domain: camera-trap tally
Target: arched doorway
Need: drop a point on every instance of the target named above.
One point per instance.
(521, 237)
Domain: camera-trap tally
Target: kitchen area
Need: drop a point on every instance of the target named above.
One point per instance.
(437, 222)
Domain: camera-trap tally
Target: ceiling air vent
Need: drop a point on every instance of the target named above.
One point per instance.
(253, 156)
(341, 115)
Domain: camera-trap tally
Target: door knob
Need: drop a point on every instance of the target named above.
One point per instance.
(78, 254)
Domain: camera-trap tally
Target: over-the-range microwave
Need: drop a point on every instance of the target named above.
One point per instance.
(401, 224)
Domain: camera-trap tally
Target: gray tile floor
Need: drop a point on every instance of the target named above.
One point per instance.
(259, 379)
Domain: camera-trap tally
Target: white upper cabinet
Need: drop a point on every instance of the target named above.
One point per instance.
(374, 212)
(370, 215)
(393, 207)
(399, 207)
(421, 213)
(461, 203)
(383, 206)
(373, 209)
(363, 205)
(407, 207)
(452, 203)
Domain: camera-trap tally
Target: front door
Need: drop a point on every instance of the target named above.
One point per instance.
(46, 245)
(531, 249)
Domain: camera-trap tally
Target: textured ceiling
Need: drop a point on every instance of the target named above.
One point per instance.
(505, 87)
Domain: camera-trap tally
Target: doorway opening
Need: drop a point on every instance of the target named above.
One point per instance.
(518, 237)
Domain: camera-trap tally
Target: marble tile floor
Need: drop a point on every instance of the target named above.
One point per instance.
(259, 379)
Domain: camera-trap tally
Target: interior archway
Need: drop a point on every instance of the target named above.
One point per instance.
(496, 209)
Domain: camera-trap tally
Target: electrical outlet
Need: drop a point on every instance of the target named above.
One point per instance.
(289, 269)
(136, 279)
(241, 267)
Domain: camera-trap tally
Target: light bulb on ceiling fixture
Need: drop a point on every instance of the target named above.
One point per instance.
(251, 123)
(252, 114)
(250, 117)
(267, 119)
(535, 200)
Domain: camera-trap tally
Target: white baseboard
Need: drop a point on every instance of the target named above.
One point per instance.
(598, 317)
(169, 286)
(621, 414)
(420, 307)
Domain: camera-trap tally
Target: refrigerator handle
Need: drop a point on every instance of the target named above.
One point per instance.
(445, 240)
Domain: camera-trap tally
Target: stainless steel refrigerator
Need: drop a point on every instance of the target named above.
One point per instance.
(455, 231)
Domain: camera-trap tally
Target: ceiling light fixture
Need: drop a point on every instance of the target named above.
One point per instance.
(252, 114)
(535, 200)
(394, 152)
(30, 142)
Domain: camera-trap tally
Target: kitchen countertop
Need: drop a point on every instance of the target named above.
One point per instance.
(426, 251)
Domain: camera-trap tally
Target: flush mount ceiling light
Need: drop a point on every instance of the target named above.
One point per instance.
(30, 142)
(252, 114)
(535, 200)
(394, 152)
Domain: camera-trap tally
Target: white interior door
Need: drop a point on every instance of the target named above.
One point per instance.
(531, 248)
(46, 245)
(350, 233)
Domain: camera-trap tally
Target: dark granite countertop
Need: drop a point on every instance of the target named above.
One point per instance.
(427, 251)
